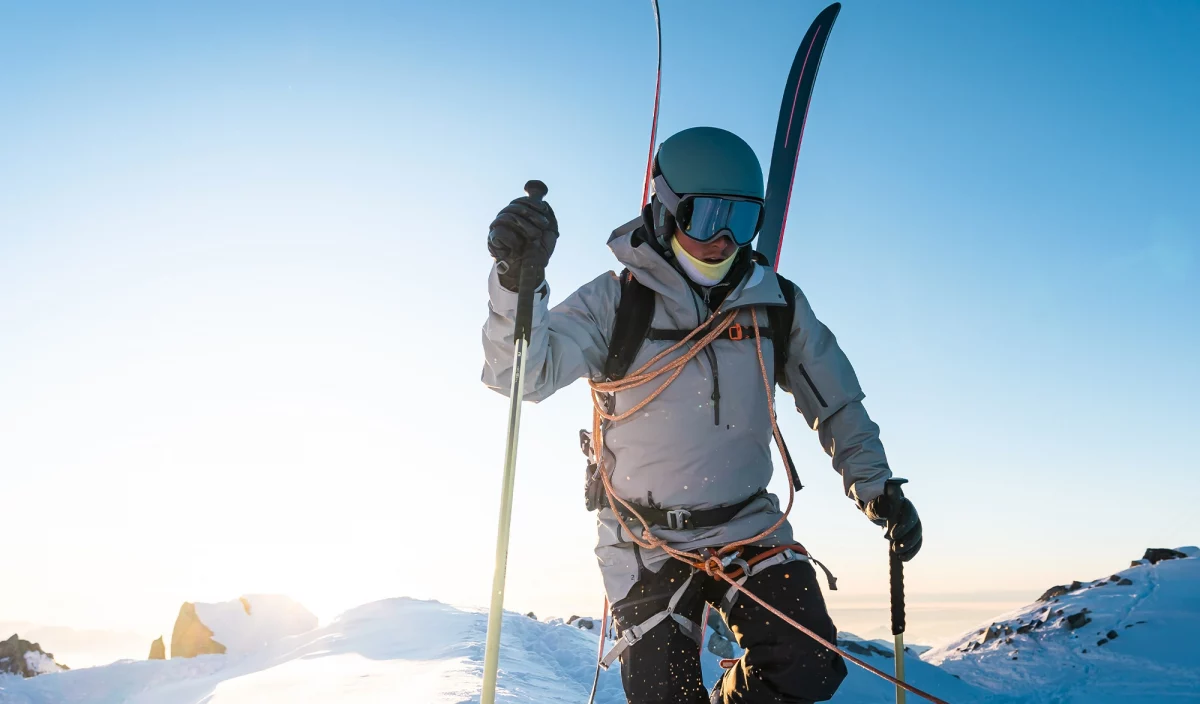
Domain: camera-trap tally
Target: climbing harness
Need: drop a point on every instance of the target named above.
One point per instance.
(715, 563)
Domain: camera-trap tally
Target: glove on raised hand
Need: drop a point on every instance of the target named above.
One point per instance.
(524, 232)
(902, 526)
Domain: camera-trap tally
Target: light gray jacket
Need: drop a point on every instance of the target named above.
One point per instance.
(690, 447)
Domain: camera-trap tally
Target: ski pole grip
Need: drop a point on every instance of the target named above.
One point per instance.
(895, 565)
(896, 574)
(531, 274)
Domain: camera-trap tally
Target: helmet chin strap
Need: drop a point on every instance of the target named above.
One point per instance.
(698, 270)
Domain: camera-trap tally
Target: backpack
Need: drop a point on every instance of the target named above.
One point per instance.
(635, 311)
(631, 327)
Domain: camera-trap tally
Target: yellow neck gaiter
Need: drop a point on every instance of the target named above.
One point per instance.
(701, 271)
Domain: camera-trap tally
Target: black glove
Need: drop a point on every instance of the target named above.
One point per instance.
(523, 233)
(898, 517)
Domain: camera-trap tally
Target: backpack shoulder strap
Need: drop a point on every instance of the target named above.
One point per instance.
(634, 313)
(780, 319)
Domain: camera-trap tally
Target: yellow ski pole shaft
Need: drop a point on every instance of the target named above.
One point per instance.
(896, 578)
(531, 276)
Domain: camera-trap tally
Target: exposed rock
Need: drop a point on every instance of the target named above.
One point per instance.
(859, 647)
(1080, 619)
(191, 637)
(1112, 635)
(1032, 625)
(158, 650)
(1125, 582)
(585, 623)
(718, 625)
(1053, 592)
(1114, 578)
(720, 646)
(1102, 641)
(241, 625)
(1156, 555)
(532, 615)
(26, 659)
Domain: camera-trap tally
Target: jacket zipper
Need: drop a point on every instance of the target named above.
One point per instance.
(811, 385)
(712, 359)
(716, 392)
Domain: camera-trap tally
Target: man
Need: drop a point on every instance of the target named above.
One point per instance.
(695, 460)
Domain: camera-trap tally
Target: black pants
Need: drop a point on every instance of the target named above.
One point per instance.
(781, 665)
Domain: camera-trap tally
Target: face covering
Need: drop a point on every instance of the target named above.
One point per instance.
(701, 271)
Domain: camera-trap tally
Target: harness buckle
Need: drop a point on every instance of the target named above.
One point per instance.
(736, 332)
(679, 519)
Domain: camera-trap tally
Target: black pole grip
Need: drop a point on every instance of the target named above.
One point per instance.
(531, 274)
(896, 566)
(896, 574)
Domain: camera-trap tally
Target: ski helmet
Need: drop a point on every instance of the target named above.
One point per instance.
(709, 161)
(706, 161)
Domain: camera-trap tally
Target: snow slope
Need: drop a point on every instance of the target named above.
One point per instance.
(1129, 637)
(402, 650)
(426, 652)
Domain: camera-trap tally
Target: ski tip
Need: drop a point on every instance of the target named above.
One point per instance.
(536, 189)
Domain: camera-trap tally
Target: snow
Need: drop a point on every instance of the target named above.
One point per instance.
(428, 652)
(247, 624)
(41, 663)
(1155, 654)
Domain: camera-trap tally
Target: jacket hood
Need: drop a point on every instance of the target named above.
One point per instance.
(759, 285)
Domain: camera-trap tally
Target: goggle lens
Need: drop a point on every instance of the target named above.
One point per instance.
(705, 217)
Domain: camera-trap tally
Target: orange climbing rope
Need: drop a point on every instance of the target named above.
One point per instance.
(711, 563)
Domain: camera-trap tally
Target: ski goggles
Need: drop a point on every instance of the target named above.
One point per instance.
(704, 218)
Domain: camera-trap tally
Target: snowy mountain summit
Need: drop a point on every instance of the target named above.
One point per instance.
(1126, 637)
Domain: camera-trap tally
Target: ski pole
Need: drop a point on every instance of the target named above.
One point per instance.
(896, 577)
(599, 653)
(531, 275)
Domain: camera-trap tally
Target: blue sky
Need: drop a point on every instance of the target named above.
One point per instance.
(242, 275)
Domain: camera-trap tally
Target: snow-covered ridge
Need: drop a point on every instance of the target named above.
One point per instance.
(1125, 637)
(427, 652)
(405, 650)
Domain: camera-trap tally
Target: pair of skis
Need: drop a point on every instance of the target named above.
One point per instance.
(789, 132)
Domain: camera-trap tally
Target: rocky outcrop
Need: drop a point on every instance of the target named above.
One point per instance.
(242, 625)
(26, 659)
(158, 651)
(191, 637)
(720, 646)
(1156, 555)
